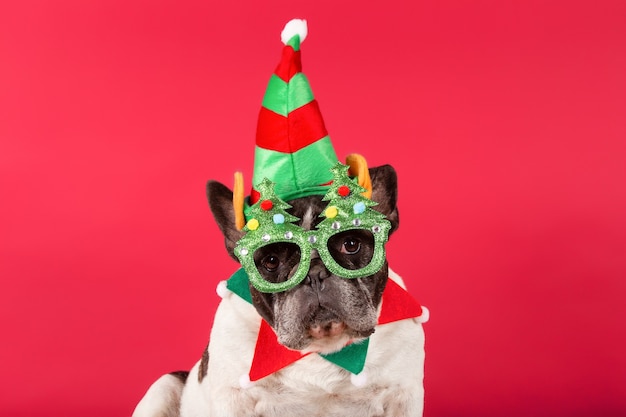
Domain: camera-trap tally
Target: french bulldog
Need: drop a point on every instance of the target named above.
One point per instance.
(320, 315)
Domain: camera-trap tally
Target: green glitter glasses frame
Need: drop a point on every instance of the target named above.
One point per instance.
(307, 241)
(347, 210)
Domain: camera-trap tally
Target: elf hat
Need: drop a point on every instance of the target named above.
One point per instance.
(293, 148)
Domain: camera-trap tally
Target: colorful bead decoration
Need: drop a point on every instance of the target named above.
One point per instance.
(331, 212)
(252, 224)
(266, 205)
(359, 207)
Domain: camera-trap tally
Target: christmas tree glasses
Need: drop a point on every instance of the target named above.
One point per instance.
(347, 216)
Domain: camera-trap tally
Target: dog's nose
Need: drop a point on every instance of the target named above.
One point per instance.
(327, 329)
(317, 273)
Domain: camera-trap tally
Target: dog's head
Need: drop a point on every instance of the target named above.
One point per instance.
(323, 312)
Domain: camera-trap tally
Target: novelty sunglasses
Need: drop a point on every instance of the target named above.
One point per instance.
(253, 254)
(348, 226)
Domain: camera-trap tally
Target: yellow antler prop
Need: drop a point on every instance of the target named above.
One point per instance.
(238, 197)
(358, 168)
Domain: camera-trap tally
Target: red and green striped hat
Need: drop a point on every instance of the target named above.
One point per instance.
(293, 148)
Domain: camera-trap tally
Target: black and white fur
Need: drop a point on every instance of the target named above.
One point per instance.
(322, 314)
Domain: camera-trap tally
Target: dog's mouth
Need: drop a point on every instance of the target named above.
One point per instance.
(324, 333)
(333, 337)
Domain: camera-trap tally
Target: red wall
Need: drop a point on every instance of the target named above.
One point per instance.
(506, 122)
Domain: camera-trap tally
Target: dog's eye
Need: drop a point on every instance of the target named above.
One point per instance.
(351, 246)
(271, 263)
(352, 249)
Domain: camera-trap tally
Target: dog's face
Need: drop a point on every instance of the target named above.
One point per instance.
(324, 312)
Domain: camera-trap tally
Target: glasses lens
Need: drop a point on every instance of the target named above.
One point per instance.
(275, 261)
(352, 249)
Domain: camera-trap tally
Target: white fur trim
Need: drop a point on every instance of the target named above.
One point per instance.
(425, 315)
(222, 290)
(292, 28)
(244, 381)
(359, 380)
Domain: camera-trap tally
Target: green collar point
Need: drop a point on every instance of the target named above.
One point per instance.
(351, 358)
(239, 284)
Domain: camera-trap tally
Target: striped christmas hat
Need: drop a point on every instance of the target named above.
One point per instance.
(293, 148)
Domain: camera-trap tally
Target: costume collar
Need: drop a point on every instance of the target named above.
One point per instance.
(270, 356)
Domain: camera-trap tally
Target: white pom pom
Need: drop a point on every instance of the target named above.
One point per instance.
(425, 315)
(292, 28)
(222, 290)
(244, 381)
(359, 380)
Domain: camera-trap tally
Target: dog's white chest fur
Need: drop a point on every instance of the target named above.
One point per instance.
(311, 386)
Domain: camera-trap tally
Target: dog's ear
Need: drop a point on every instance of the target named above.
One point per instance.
(221, 203)
(385, 193)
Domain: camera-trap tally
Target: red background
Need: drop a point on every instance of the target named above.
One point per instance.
(505, 122)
